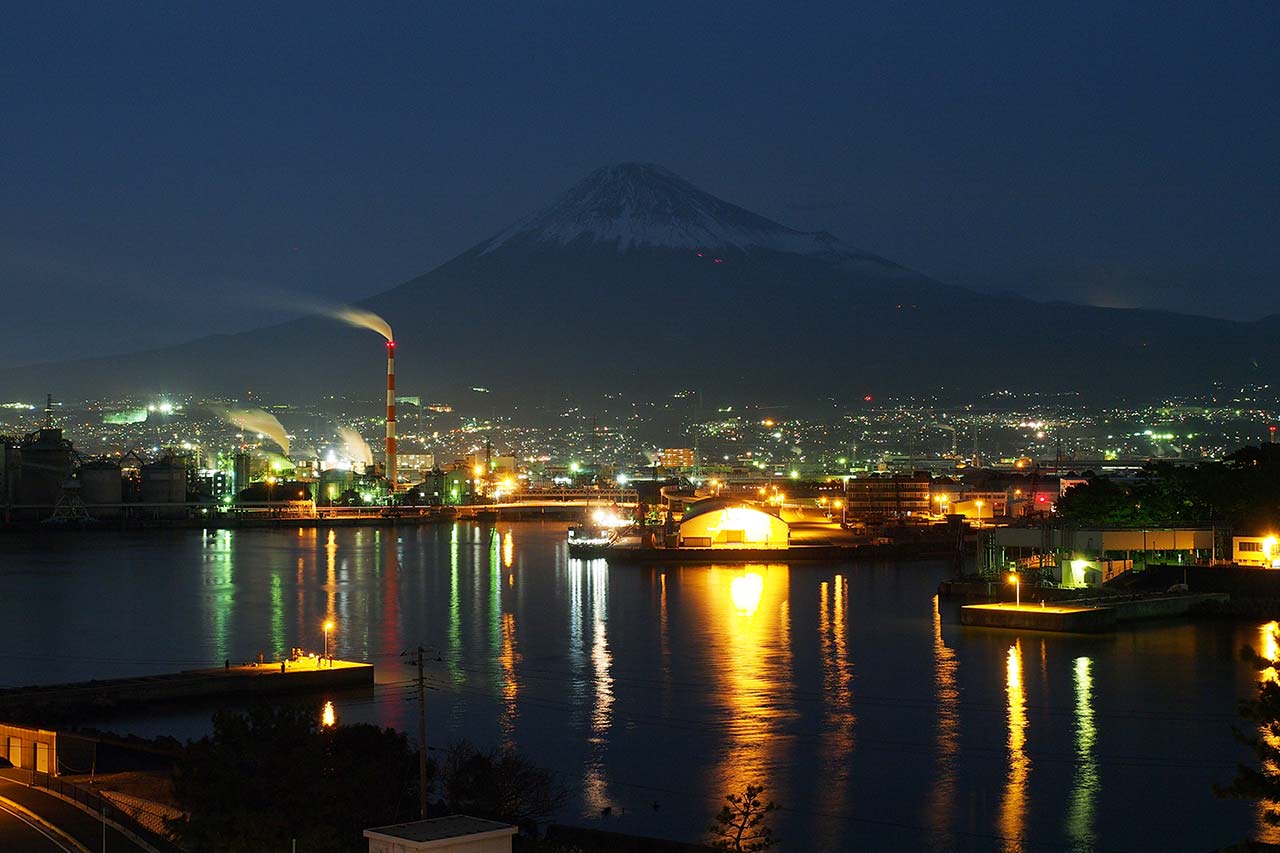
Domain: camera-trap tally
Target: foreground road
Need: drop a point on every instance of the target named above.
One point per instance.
(20, 832)
(85, 829)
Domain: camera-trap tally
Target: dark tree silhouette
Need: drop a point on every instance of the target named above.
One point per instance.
(270, 776)
(740, 824)
(1260, 783)
(500, 784)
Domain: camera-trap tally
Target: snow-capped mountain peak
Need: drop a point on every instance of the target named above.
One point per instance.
(642, 205)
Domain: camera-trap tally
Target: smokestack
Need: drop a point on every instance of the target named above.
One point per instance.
(391, 415)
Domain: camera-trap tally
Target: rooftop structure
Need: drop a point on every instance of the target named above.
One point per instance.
(454, 834)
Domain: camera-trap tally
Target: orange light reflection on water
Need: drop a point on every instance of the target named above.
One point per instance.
(748, 611)
(837, 703)
(946, 728)
(1013, 805)
(1268, 649)
(508, 657)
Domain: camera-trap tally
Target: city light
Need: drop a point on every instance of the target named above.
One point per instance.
(1017, 589)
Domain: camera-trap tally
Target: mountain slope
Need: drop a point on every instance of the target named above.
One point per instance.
(636, 281)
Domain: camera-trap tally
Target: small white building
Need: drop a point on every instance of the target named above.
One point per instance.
(1260, 551)
(452, 834)
(731, 523)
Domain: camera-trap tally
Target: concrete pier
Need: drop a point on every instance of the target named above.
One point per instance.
(304, 675)
(1084, 617)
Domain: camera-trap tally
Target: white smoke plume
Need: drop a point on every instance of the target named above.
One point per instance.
(355, 447)
(256, 420)
(363, 319)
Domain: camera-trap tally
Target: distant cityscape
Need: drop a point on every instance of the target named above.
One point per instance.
(211, 455)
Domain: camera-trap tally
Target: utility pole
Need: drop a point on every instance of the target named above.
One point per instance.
(421, 729)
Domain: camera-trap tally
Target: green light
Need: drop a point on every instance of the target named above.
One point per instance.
(795, 475)
(574, 467)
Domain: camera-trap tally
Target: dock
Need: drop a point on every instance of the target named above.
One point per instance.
(265, 679)
(1085, 617)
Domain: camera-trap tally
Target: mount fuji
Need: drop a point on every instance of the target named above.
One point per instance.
(636, 282)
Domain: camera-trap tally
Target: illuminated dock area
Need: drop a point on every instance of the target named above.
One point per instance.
(1085, 618)
(1069, 619)
(306, 674)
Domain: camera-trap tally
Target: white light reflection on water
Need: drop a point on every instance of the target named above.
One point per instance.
(598, 796)
(1085, 787)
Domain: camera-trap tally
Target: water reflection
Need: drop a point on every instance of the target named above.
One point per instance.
(1268, 649)
(837, 692)
(745, 590)
(331, 576)
(946, 728)
(388, 615)
(596, 785)
(1085, 787)
(217, 575)
(1013, 806)
(508, 657)
(752, 657)
(453, 660)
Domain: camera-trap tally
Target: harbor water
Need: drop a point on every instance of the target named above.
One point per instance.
(871, 716)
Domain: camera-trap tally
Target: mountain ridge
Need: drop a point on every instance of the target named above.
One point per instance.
(634, 278)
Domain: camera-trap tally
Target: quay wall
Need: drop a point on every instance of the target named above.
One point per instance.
(267, 679)
(1083, 621)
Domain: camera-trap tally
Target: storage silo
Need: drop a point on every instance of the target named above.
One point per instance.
(45, 466)
(101, 488)
(164, 482)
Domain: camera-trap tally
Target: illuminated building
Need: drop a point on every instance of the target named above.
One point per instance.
(730, 523)
(1079, 556)
(676, 457)
(897, 496)
(1260, 551)
(418, 463)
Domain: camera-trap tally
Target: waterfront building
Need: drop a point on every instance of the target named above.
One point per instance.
(1090, 556)
(896, 496)
(1260, 551)
(731, 523)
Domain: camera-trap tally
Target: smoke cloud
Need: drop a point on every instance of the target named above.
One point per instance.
(355, 447)
(363, 319)
(256, 420)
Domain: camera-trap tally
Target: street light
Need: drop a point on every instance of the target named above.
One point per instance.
(328, 626)
(1017, 590)
(978, 504)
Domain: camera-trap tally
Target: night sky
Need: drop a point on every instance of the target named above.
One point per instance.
(168, 173)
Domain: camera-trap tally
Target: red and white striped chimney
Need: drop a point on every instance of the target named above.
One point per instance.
(391, 416)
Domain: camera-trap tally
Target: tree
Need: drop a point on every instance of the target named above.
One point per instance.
(740, 824)
(272, 775)
(1263, 782)
(500, 784)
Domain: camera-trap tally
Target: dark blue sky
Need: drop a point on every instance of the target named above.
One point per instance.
(160, 167)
